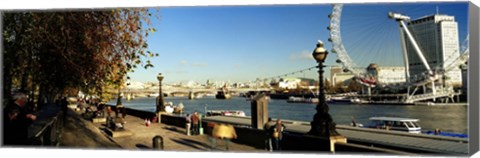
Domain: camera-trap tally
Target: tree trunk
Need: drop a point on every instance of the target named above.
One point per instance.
(7, 84)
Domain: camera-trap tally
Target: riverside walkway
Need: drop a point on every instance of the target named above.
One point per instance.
(81, 133)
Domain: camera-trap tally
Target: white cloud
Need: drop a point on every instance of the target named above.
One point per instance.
(304, 55)
(237, 66)
(183, 62)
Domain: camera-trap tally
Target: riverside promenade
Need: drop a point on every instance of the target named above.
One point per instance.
(84, 134)
(80, 133)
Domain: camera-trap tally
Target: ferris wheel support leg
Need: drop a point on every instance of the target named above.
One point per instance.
(415, 45)
(424, 88)
(408, 92)
(414, 91)
(369, 91)
(405, 56)
(434, 91)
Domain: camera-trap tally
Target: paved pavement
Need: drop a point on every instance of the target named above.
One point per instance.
(80, 133)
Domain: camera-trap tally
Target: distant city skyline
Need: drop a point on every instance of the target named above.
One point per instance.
(243, 43)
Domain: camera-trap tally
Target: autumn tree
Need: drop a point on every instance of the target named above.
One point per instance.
(55, 52)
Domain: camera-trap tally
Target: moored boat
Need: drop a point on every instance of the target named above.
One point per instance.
(395, 124)
(359, 101)
(170, 108)
(152, 95)
(336, 99)
(302, 100)
(223, 95)
(225, 113)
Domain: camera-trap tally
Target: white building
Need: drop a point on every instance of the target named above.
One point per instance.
(337, 76)
(340, 78)
(296, 83)
(437, 37)
(386, 75)
(465, 80)
(289, 83)
(389, 75)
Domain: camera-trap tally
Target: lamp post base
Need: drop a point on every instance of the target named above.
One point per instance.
(319, 143)
(322, 125)
(159, 115)
(336, 139)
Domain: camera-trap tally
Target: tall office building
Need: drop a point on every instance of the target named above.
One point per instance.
(437, 37)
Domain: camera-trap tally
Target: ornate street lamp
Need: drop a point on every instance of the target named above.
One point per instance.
(119, 97)
(129, 95)
(322, 124)
(160, 101)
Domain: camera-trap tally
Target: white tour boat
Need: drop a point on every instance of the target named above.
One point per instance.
(226, 113)
(396, 124)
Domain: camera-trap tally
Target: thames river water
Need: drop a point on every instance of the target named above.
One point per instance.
(446, 118)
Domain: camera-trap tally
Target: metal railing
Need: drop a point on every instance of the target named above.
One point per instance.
(50, 133)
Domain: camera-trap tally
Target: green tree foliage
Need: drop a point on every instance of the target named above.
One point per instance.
(57, 52)
(354, 86)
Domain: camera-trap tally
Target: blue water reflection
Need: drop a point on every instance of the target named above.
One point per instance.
(446, 118)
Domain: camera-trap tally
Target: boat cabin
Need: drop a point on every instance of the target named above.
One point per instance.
(395, 123)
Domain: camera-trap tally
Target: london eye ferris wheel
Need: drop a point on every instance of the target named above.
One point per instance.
(378, 35)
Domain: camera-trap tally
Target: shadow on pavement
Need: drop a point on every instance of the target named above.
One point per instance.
(80, 133)
(174, 129)
(142, 146)
(192, 143)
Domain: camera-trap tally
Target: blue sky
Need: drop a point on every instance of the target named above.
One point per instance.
(242, 43)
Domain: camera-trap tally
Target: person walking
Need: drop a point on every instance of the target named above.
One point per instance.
(226, 132)
(16, 121)
(188, 124)
(195, 122)
(268, 140)
(277, 134)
